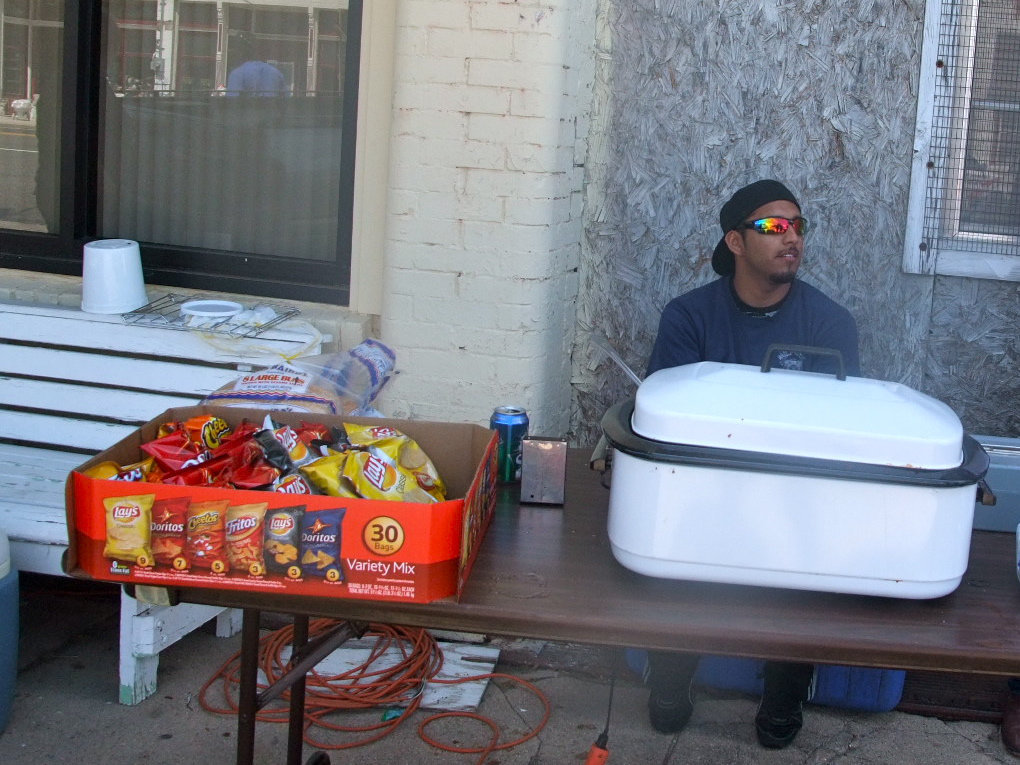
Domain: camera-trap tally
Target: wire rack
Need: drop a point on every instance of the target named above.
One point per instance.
(165, 312)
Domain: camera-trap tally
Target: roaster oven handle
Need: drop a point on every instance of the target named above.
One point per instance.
(766, 363)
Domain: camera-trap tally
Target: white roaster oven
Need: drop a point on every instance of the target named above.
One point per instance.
(759, 476)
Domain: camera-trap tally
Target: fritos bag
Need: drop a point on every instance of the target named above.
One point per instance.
(244, 530)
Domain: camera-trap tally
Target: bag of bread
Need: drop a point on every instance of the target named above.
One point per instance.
(336, 383)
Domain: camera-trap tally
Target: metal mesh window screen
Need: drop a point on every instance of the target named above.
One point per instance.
(972, 200)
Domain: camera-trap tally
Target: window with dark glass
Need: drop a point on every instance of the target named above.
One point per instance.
(217, 134)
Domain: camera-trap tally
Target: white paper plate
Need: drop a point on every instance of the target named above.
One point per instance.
(211, 309)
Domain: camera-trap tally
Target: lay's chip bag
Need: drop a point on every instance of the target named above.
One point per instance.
(128, 529)
(404, 453)
(282, 540)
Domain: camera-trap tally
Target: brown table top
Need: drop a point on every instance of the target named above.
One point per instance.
(548, 572)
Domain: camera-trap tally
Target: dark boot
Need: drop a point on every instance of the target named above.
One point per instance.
(670, 676)
(1010, 728)
(780, 714)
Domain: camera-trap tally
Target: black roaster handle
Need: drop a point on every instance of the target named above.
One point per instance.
(766, 363)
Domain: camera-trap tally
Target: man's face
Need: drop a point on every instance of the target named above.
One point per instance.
(773, 258)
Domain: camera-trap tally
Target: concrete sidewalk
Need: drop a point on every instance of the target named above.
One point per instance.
(66, 711)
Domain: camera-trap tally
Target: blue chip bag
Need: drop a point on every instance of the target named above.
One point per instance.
(321, 534)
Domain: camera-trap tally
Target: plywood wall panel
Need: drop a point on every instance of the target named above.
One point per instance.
(694, 99)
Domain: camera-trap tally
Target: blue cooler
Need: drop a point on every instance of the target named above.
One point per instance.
(8, 631)
(864, 688)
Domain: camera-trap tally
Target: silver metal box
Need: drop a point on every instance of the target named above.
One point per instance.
(543, 470)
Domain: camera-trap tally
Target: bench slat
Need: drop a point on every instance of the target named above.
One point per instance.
(32, 493)
(166, 376)
(70, 399)
(49, 429)
(109, 333)
(16, 460)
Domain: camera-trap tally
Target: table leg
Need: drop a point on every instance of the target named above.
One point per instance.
(247, 702)
(296, 725)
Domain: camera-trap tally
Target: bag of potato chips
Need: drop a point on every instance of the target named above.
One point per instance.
(403, 452)
(129, 528)
(282, 540)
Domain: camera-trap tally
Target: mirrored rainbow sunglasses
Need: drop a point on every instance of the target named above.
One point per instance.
(777, 225)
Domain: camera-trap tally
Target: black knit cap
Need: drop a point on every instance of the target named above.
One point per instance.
(740, 205)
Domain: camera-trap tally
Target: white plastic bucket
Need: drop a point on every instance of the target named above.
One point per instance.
(111, 278)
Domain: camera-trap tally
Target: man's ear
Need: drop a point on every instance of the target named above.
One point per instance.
(735, 241)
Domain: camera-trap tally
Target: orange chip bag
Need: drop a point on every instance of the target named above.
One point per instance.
(206, 432)
(169, 517)
(128, 521)
(244, 531)
(206, 535)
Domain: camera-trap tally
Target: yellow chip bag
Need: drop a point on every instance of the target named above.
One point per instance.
(128, 528)
(326, 475)
(404, 451)
(106, 471)
(375, 475)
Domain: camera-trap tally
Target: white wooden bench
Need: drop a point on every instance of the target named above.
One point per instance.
(72, 384)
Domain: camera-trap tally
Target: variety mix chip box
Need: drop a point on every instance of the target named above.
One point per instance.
(307, 544)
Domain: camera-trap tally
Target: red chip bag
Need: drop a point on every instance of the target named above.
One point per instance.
(212, 472)
(174, 451)
(206, 535)
(256, 477)
(169, 517)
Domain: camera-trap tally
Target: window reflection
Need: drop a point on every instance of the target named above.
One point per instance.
(222, 125)
(30, 115)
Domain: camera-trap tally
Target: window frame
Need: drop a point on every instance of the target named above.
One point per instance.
(352, 280)
(953, 258)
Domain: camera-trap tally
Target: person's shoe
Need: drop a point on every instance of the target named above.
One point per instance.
(670, 677)
(780, 714)
(778, 724)
(669, 712)
(1010, 726)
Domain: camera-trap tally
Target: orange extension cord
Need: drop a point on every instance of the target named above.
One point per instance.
(364, 688)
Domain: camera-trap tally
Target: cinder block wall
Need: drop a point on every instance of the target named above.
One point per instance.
(484, 220)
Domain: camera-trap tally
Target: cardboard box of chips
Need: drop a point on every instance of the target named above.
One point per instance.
(217, 536)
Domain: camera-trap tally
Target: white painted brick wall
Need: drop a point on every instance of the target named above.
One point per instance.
(483, 211)
(484, 218)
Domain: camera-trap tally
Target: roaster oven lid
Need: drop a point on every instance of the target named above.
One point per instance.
(801, 414)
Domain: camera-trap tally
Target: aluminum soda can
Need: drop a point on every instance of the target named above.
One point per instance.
(511, 424)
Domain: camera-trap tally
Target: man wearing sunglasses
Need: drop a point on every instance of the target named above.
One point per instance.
(757, 301)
